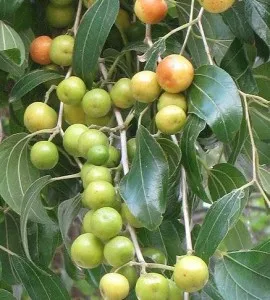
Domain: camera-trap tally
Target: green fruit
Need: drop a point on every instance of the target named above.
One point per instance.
(102, 121)
(144, 86)
(71, 90)
(96, 103)
(74, 114)
(71, 138)
(98, 155)
(38, 116)
(90, 138)
(106, 223)
(60, 16)
(86, 223)
(87, 251)
(44, 155)
(114, 286)
(172, 99)
(62, 50)
(174, 292)
(131, 275)
(190, 273)
(99, 194)
(152, 286)
(170, 119)
(129, 218)
(154, 255)
(96, 173)
(114, 157)
(121, 94)
(131, 148)
(61, 2)
(84, 170)
(119, 251)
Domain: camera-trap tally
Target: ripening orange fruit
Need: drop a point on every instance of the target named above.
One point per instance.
(216, 6)
(175, 73)
(40, 50)
(150, 11)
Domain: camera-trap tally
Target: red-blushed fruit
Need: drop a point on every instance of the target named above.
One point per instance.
(74, 114)
(150, 11)
(170, 119)
(175, 73)
(216, 6)
(87, 251)
(106, 223)
(114, 286)
(166, 99)
(145, 87)
(61, 50)
(71, 138)
(190, 273)
(71, 90)
(44, 155)
(152, 286)
(60, 16)
(38, 116)
(40, 50)
(119, 251)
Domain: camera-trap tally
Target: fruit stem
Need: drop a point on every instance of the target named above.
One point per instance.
(189, 28)
(206, 47)
(48, 93)
(77, 18)
(148, 37)
(142, 114)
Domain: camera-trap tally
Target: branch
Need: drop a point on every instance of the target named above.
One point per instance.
(189, 28)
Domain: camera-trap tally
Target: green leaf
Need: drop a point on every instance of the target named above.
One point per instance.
(211, 290)
(67, 211)
(31, 80)
(260, 120)
(192, 166)
(218, 34)
(144, 188)
(32, 208)
(42, 242)
(265, 247)
(92, 34)
(236, 63)
(236, 19)
(152, 54)
(8, 7)
(238, 238)
(262, 76)
(213, 96)
(38, 284)
(18, 173)
(264, 175)
(220, 218)
(223, 178)
(5, 295)
(168, 237)
(27, 36)
(11, 40)
(258, 16)
(10, 239)
(10, 66)
(244, 275)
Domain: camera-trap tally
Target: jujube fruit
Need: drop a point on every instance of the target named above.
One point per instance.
(60, 16)
(98, 155)
(216, 6)
(86, 222)
(175, 73)
(114, 157)
(121, 94)
(190, 273)
(40, 50)
(96, 173)
(167, 99)
(71, 138)
(128, 217)
(150, 11)
(38, 116)
(170, 119)
(87, 251)
(71, 90)
(131, 275)
(175, 293)
(44, 155)
(114, 286)
(145, 87)
(74, 114)
(61, 50)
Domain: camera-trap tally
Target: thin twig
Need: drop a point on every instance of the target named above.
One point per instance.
(189, 28)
